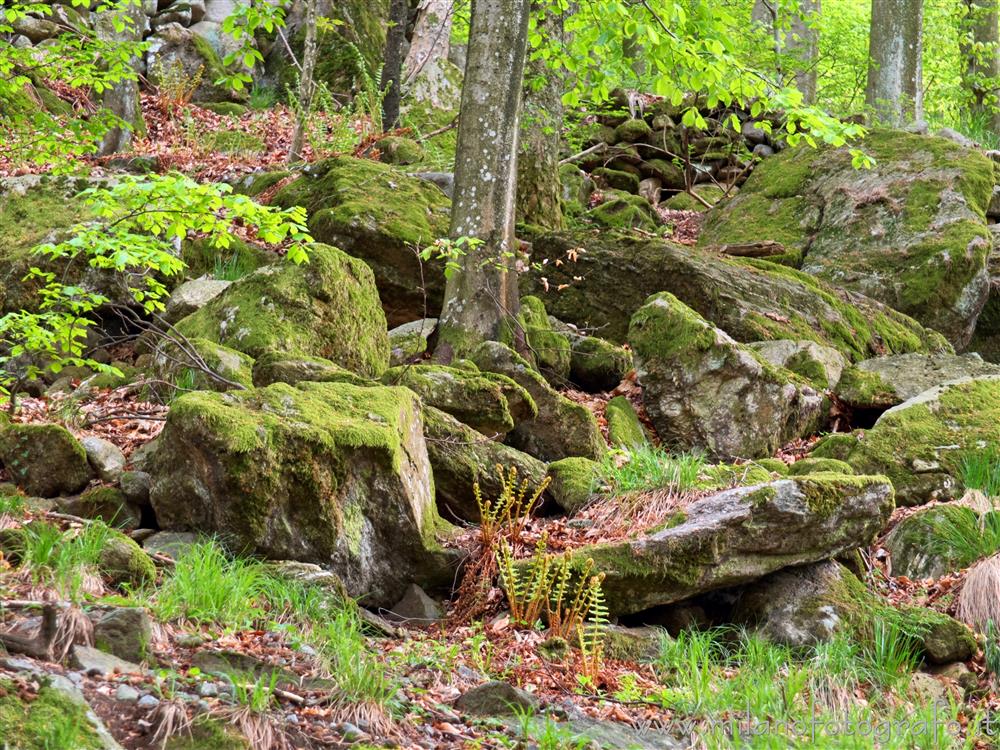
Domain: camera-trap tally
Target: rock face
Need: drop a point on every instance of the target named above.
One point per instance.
(910, 232)
(327, 308)
(915, 548)
(331, 473)
(887, 381)
(820, 365)
(741, 535)
(380, 214)
(919, 444)
(44, 460)
(703, 391)
(607, 276)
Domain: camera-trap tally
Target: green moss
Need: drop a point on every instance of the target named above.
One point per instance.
(226, 109)
(773, 465)
(624, 211)
(125, 562)
(398, 150)
(724, 476)
(837, 446)
(814, 465)
(669, 329)
(617, 179)
(762, 496)
(43, 459)
(631, 131)
(624, 428)
(825, 491)
(327, 308)
(175, 367)
(51, 720)
(550, 348)
(107, 504)
(865, 389)
(263, 181)
(574, 481)
(203, 258)
(921, 204)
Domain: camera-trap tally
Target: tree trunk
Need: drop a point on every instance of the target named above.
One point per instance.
(426, 66)
(307, 84)
(796, 38)
(122, 99)
(482, 293)
(392, 70)
(982, 59)
(894, 91)
(538, 185)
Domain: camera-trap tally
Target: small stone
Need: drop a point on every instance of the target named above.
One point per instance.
(208, 690)
(105, 457)
(92, 661)
(349, 732)
(148, 701)
(495, 699)
(416, 607)
(126, 694)
(135, 485)
(75, 677)
(125, 632)
(190, 640)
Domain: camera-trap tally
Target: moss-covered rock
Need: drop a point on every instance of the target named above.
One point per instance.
(52, 718)
(550, 349)
(123, 562)
(917, 548)
(279, 367)
(205, 260)
(409, 341)
(476, 399)
(751, 300)
(327, 308)
(813, 465)
(398, 150)
(331, 473)
(624, 428)
(574, 482)
(920, 443)
(633, 130)
(461, 457)
(942, 639)
(107, 504)
(562, 428)
(617, 179)
(179, 51)
(378, 213)
(226, 109)
(208, 733)
(598, 365)
(710, 194)
(705, 392)
(910, 232)
(820, 365)
(43, 459)
(200, 364)
(739, 535)
(887, 381)
(622, 210)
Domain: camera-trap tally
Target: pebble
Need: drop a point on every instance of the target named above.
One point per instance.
(349, 732)
(291, 718)
(208, 690)
(148, 701)
(126, 694)
(75, 677)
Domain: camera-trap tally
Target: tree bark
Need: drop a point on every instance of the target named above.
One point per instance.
(122, 99)
(982, 59)
(482, 293)
(796, 37)
(392, 70)
(425, 70)
(894, 92)
(538, 185)
(307, 84)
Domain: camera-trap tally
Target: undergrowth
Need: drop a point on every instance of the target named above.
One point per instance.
(647, 468)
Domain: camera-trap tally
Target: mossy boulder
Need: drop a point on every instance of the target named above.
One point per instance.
(633, 130)
(617, 179)
(684, 201)
(562, 428)
(820, 365)
(461, 457)
(574, 482)
(200, 364)
(740, 535)
(479, 400)
(123, 562)
(910, 232)
(598, 365)
(125, 632)
(44, 460)
(917, 548)
(331, 473)
(326, 308)
(624, 428)
(549, 348)
(398, 150)
(107, 504)
(812, 465)
(409, 341)
(622, 210)
(378, 213)
(278, 367)
(705, 392)
(178, 51)
(751, 300)
(53, 717)
(887, 381)
(920, 443)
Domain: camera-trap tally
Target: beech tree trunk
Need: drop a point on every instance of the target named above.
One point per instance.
(795, 38)
(894, 91)
(392, 70)
(482, 293)
(425, 70)
(982, 59)
(307, 84)
(539, 192)
(122, 99)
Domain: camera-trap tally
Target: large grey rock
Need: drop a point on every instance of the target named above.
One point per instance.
(410, 340)
(105, 458)
(887, 381)
(703, 391)
(175, 48)
(910, 232)
(821, 365)
(192, 296)
(44, 460)
(916, 548)
(125, 632)
(329, 473)
(739, 536)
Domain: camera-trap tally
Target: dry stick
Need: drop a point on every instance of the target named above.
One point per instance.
(39, 647)
(451, 125)
(599, 148)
